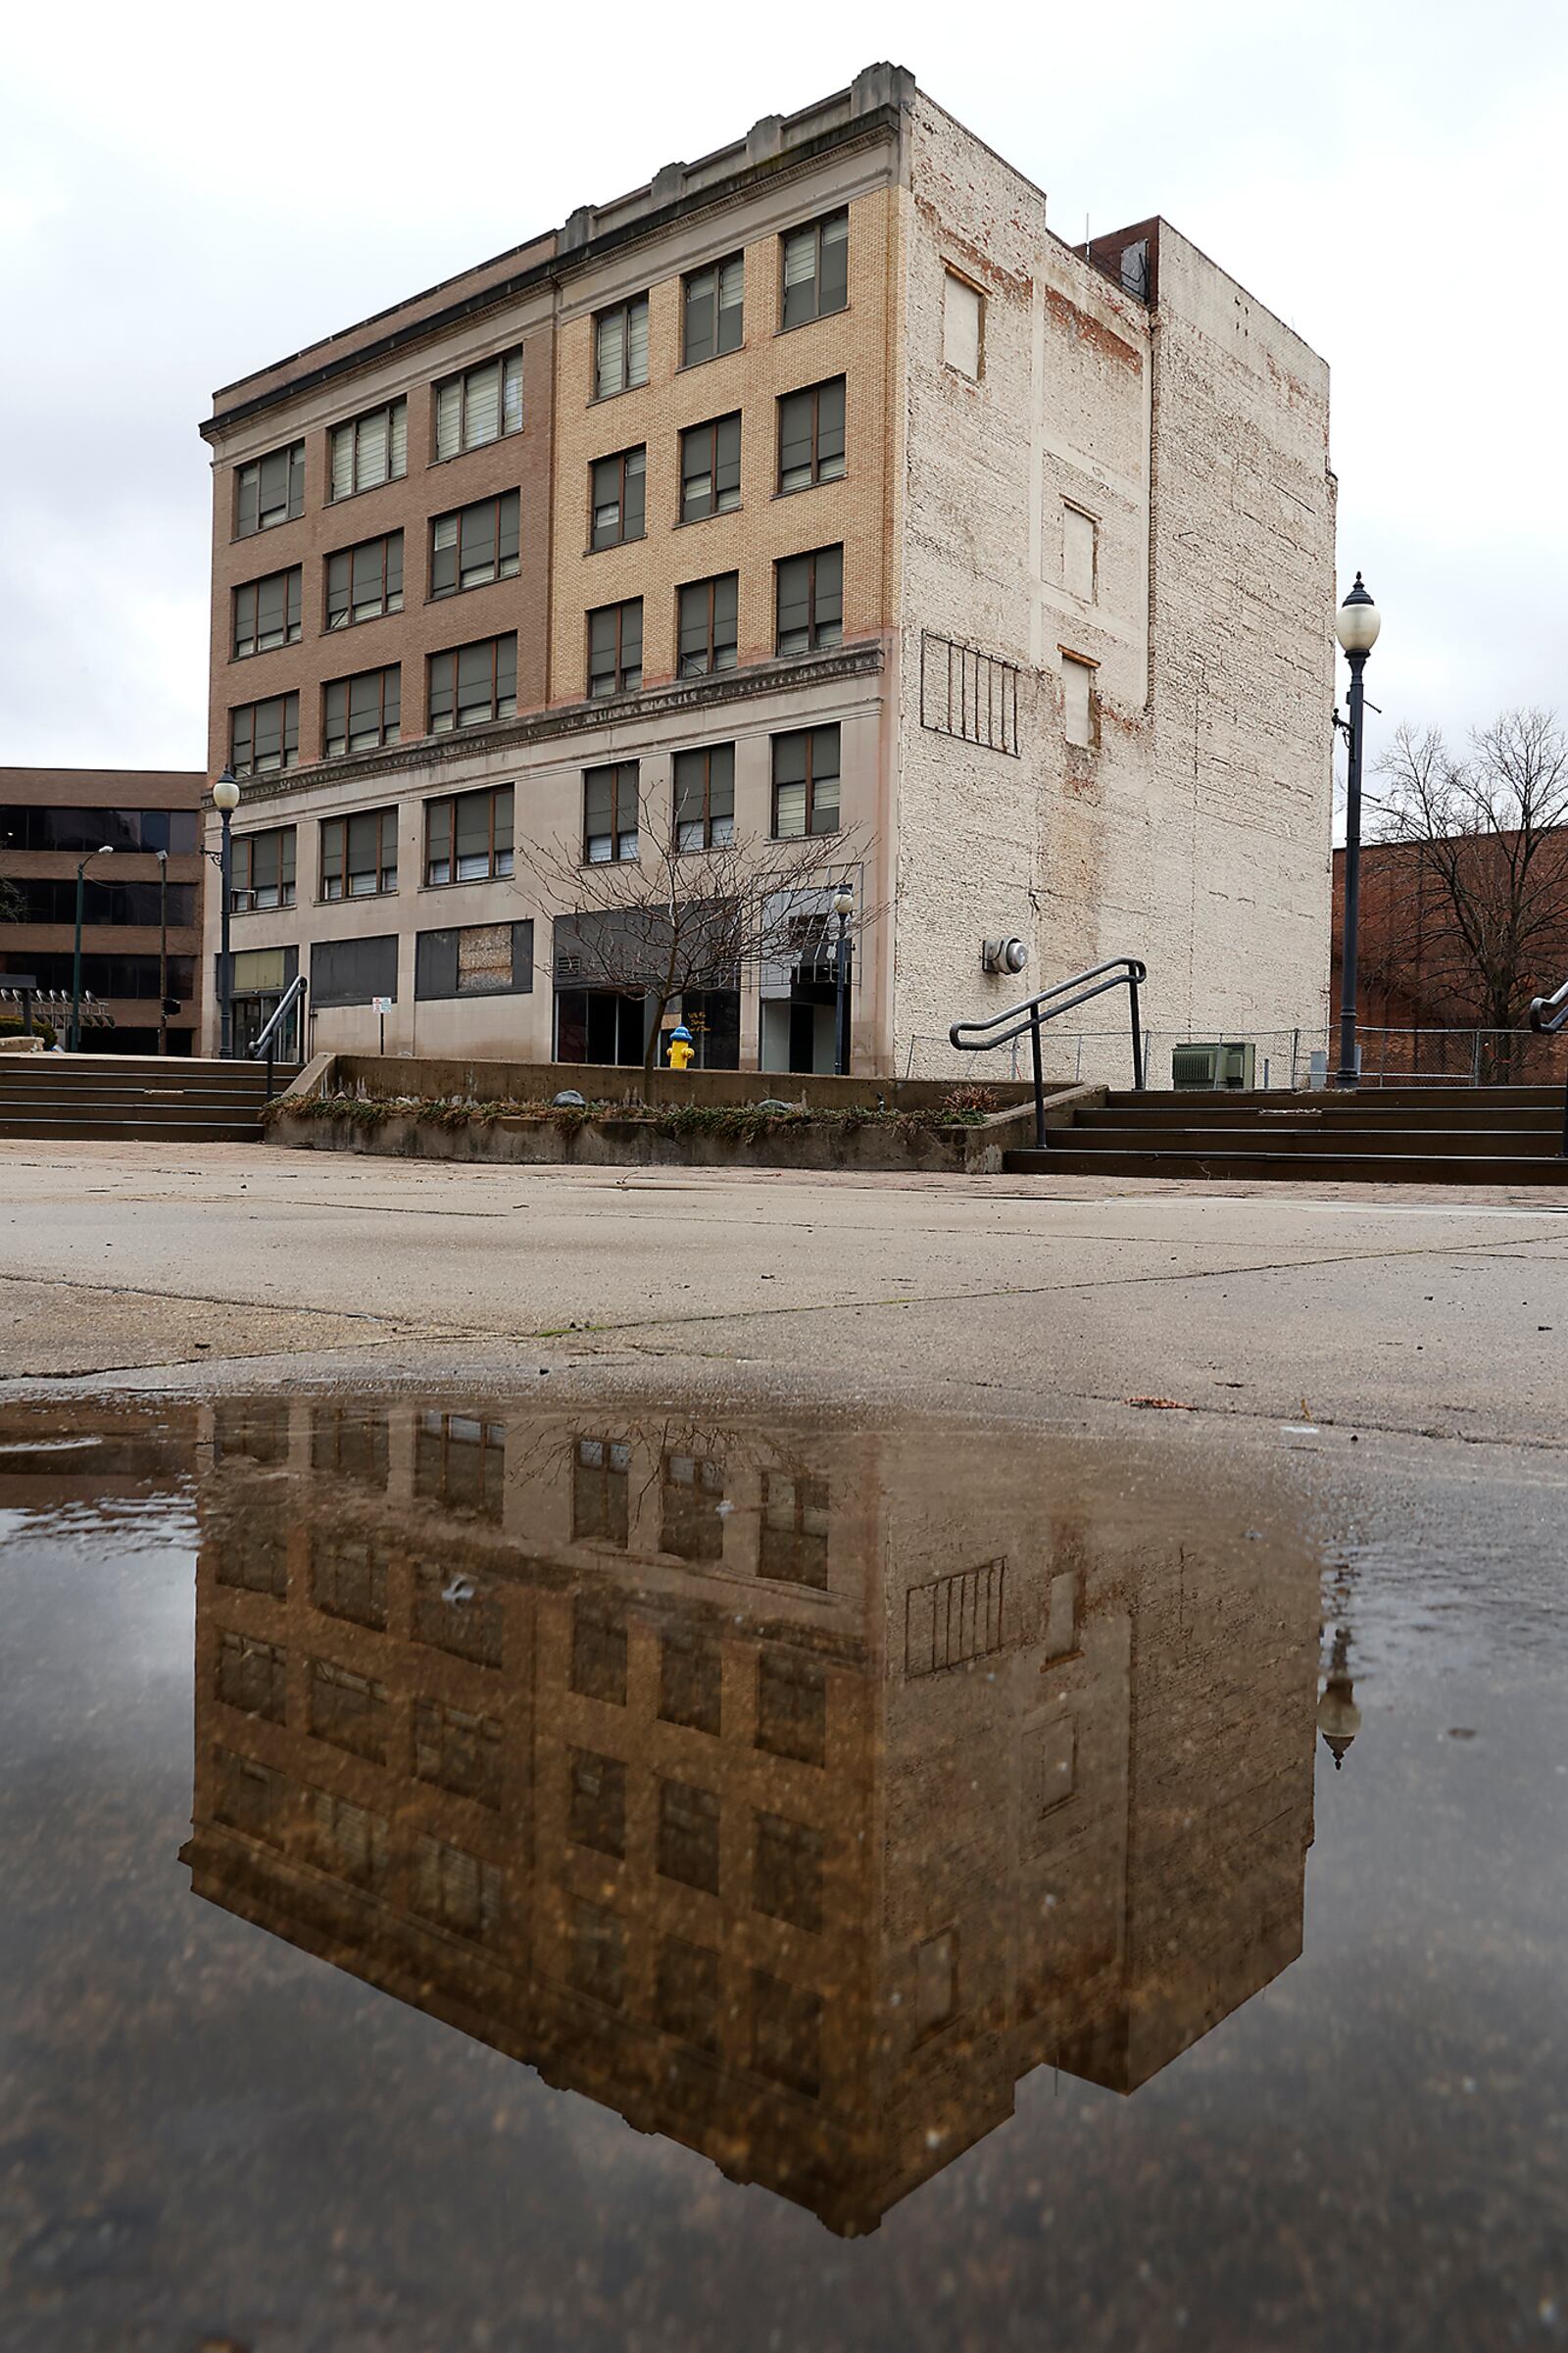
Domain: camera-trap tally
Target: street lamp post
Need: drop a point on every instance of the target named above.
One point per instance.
(104, 849)
(843, 907)
(163, 951)
(1356, 625)
(226, 800)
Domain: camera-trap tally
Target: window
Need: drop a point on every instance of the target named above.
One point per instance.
(1079, 554)
(969, 694)
(817, 266)
(1078, 701)
(793, 1542)
(712, 310)
(476, 545)
(347, 1841)
(709, 625)
(254, 1556)
(348, 1578)
(270, 490)
(935, 1982)
(252, 1797)
(264, 735)
(600, 1479)
(688, 1835)
(811, 601)
(32, 828)
(469, 838)
(456, 1613)
(1049, 1765)
(1061, 1616)
(473, 684)
(693, 1488)
(458, 1751)
(615, 648)
(787, 1872)
(266, 613)
(479, 406)
(358, 715)
(786, 2034)
(710, 468)
(599, 1647)
(805, 782)
(462, 1459)
(704, 798)
(595, 1801)
(365, 581)
(256, 1430)
(791, 1707)
(359, 853)
(481, 960)
(962, 325)
(954, 1619)
(690, 1678)
(354, 971)
(253, 1676)
(455, 1889)
(595, 1959)
(686, 1992)
(349, 1710)
(371, 450)
(811, 436)
(610, 814)
(621, 348)
(263, 871)
(353, 1445)
(618, 499)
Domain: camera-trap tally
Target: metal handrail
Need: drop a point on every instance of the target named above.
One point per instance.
(266, 1041)
(1122, 972)
(1548, 1016)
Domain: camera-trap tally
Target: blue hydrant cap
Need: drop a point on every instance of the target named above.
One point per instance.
(682, 1032)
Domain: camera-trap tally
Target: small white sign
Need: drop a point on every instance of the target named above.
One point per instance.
(380, 1004)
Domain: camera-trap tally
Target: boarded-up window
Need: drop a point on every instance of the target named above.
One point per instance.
(1078, 700)
(936, 1981)
(962, 311)
(1061, 1619)
(1049, 1765)
(1079, 535)
(353, 972)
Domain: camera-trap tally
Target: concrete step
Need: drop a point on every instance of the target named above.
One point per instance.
(155, 1113)
(1259, 1119)
(1497, 1143)
(1230, 1162)
(1332, 1098)
(116, 1130)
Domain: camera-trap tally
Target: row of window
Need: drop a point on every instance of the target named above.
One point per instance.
(468, 836)
(469, 548)
(122, 902)
(470, 686)
(809, 450)
(484, 403)
(31, 826)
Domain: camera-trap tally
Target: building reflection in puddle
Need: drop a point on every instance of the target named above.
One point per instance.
(794, 1792)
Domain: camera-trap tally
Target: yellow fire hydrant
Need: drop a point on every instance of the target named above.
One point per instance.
(682, 1052)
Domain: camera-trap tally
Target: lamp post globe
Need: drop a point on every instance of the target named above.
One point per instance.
(226, 800)
(843, 904)
(1356, 625)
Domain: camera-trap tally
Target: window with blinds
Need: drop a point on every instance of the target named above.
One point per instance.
(615, 648)
(476, 545)
(468, 837)
(805, 782)
(270, 490)
(358, 715)
(710, 468)
(704, 798)
(483, 404)
(811, 436)
(709, 625)
(815, 269)
(621, 348)
(262, 873)
(366, 581)
(266, 613)
(371, 450)
(712, 310)
(811, 601)
(610, 808)
(470, 685)
(620, 498)
(263, 736)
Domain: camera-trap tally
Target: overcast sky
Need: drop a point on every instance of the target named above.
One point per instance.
(188, 193)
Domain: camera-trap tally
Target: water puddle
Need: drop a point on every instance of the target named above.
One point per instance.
(975, 1864)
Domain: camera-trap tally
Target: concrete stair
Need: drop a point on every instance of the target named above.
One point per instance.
(87, 1098)
(1393, 1135)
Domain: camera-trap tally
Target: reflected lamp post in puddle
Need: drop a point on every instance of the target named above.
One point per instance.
(1338, 1719)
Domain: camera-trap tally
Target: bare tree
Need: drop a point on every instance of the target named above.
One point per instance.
(1476, 921)
(684, 914)
(11, 903)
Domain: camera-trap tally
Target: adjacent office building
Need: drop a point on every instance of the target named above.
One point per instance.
(141, 904)
(816, 492)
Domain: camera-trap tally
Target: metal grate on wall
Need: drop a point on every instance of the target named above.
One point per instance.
(954, 1619)
(968, 694)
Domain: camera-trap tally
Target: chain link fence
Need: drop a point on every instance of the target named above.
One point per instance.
(1274, 1059)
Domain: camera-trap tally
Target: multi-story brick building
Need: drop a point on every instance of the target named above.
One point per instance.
(141, 907)
(792, 1791)
(815, 490)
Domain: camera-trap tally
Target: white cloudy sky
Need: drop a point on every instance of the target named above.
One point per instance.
(188, 192)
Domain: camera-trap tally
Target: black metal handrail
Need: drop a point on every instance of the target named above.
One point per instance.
(1548, 1016)
(1122, 972)
(266, 1040)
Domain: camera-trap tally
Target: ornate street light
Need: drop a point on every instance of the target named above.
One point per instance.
(843, 907)
(226, 800)
(1356, 625)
